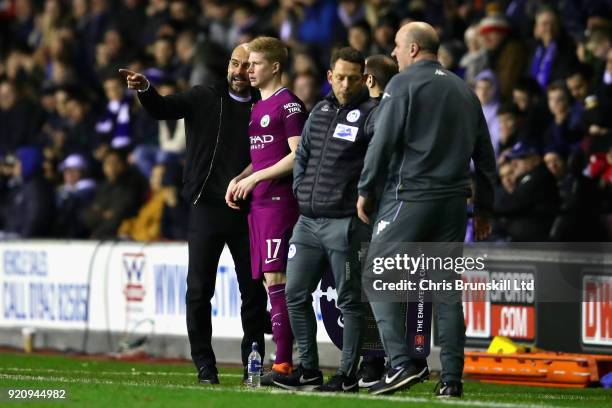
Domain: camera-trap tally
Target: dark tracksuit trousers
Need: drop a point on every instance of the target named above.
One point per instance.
(422, 221)
(211, 226)
(315, 242)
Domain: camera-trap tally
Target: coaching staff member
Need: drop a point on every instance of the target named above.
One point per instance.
(216, 124)
(328, 163)
(429, 126)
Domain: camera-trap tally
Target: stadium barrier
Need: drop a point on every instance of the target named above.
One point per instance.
(93, 296)
(569, 310)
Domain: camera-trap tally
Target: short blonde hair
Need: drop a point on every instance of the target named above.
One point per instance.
(272, 48)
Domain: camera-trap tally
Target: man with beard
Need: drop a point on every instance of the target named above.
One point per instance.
(216, 126)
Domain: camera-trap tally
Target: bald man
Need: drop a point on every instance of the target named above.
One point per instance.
(216, 126)
(429, 126)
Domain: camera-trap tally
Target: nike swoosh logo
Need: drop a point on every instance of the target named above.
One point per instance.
(389, 380)
(350, 387)
(306, 380)
(267, 261)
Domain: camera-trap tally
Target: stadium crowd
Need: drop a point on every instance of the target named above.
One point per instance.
(80, 158)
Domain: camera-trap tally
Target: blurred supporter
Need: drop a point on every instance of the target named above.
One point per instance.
(111, 54)
(527, 213)
(510, 121)
(384, 34)
(168, 138)
(553, 54)
(185, 53)
(475, 59)
(58, 61)
(351, 12)
(591, 110)
(175, 213)
(115, 120)
(130, 20)
(556, 162)
(30, 207)
(319, 22)
(73, 197)
(561, 132)
(360, 37)
(117, 199)
(533, 106)
(506, 56)
(487, 90)
(306, 87)
(165, 68)
(578, 82)
(20, 119)
(578, 218)
(449, 55)
(146, 226)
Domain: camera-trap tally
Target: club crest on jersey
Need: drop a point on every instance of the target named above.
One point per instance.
(265, 121)
(353, 116)
(292, 251)
(344, 132)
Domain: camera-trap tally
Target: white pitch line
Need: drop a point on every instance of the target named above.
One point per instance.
(133, 373)
(178, 374)
(468, 403)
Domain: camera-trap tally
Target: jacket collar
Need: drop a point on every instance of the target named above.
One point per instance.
(222, 89)
(362, 96)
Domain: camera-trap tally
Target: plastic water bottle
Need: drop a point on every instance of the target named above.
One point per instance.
(254, 368)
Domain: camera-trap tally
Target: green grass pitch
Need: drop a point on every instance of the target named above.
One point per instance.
(116, 384)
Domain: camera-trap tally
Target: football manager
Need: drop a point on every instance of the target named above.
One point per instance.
(429, 127)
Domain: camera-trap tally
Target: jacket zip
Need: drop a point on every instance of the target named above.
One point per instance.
(212, 160)
(321, 161)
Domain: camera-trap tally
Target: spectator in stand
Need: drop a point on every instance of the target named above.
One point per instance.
(510, 121)
(146, 226)
(351, 12)
(578, 82)
(73, 197)
(591, 110)
(384, 34)
(20, 119)
(556, 162)
(306, 87)
(117, 199)
(579, 218)
(169, 138)
(115, 121)
(175, 213)
(165, 67)
(527, 213)
(505, 55)
(360, 38)
(110, 54)
(553, 54)
(487, 90)
(130, 20)
(561, 132)
(531, 102)
(185, 51)
(30, 208)
(475, 59)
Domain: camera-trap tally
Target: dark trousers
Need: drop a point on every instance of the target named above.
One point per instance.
(422, 221)
(211, 226)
